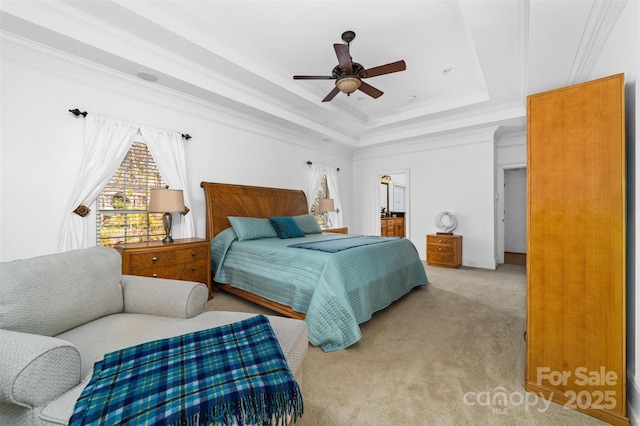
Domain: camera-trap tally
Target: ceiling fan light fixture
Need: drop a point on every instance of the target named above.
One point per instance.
(348, 84)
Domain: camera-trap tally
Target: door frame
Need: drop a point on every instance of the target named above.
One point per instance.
(407, 198)
(500, 234)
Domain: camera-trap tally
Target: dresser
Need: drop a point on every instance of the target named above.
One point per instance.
(576, 218)
(444, 250)
(185, 259)
(392, 226)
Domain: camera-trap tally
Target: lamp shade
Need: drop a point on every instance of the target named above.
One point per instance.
(163, 200)
(326, 205)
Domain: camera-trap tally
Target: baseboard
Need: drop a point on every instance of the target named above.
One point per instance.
(633, 401)
(479, 263)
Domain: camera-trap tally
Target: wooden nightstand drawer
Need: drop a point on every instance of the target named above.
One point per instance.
(165, 258)
(441, 239)
(189, 272)
(440, 258)
(441, 248)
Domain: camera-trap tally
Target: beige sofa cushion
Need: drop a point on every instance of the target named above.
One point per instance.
(73, 289)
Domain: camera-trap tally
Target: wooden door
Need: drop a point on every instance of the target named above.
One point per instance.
(576, 247)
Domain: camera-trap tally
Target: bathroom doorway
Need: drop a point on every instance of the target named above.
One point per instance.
(393, 203)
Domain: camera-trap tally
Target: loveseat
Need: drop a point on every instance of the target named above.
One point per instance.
(61, 313)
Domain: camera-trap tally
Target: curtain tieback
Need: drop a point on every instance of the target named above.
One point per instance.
(82, 210)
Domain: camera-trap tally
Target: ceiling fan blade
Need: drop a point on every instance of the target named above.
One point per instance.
(332, 94)
(313, 77)
(370, 90)
(344, 57)
(385, 69)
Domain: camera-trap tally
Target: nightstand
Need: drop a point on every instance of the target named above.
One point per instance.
(186, 259)
(344, 230)
(444, 250)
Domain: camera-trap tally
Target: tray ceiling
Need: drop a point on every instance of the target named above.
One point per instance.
(470, 64)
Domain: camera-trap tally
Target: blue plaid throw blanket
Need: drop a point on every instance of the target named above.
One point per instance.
(236, 372)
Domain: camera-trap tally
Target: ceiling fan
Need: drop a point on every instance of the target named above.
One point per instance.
(349, 74)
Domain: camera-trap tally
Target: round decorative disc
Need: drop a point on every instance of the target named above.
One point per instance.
(446, 221)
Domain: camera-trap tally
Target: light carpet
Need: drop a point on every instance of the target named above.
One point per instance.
(450, 353)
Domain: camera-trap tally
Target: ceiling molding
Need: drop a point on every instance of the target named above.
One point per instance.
(449, 123)
(429, 143)
(45, 59)
(214, 58)
(602, 19)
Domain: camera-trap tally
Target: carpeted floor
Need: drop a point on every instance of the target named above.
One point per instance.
(450, 353)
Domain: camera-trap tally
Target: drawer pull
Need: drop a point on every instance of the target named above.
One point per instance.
(439, 241)
(154, 259)
(439, 248)
(154, 276)
(193, 268)
(193, 254)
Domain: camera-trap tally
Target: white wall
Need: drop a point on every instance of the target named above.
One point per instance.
(621, 54)
(455, 173)
(41, 144)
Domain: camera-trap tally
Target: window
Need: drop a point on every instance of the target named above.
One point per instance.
(323, 192)
(122, 215)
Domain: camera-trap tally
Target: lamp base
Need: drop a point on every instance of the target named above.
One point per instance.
(167, 218)
(327, 221)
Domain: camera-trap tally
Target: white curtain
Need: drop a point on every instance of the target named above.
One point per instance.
(167, 149)
(106, 143)
(316, 171)
(315, 178)
(332, 183)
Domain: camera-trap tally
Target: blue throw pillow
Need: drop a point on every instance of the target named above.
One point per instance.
(251, 228)
(308, 224)
(286, 227)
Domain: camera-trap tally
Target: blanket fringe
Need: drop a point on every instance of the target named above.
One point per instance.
(274, 409)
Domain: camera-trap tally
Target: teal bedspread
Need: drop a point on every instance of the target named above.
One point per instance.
(336, 291)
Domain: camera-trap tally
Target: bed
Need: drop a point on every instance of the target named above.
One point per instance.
(334, 291)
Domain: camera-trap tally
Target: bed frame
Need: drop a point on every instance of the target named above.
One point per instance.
(223, 200)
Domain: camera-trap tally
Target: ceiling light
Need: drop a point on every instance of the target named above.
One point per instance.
(411, 98)
(147, 77)
(450, 70)
(348, 84)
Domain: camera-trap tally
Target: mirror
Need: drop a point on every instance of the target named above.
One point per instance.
(393, 189)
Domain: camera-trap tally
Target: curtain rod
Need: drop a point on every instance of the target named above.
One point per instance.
(77, 112)
(310, 163)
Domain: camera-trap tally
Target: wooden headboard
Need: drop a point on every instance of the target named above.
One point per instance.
(223, 199)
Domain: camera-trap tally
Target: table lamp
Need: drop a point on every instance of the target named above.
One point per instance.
(326, 205)
(167, 201)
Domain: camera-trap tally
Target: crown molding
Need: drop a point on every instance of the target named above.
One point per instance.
(429, 143)
(601, 21)
(48, 60)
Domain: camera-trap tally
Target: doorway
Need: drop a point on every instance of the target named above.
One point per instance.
(515, 216)
(392, 203)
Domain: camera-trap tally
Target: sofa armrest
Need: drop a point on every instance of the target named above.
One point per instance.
(36, 369)
(163, 297)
